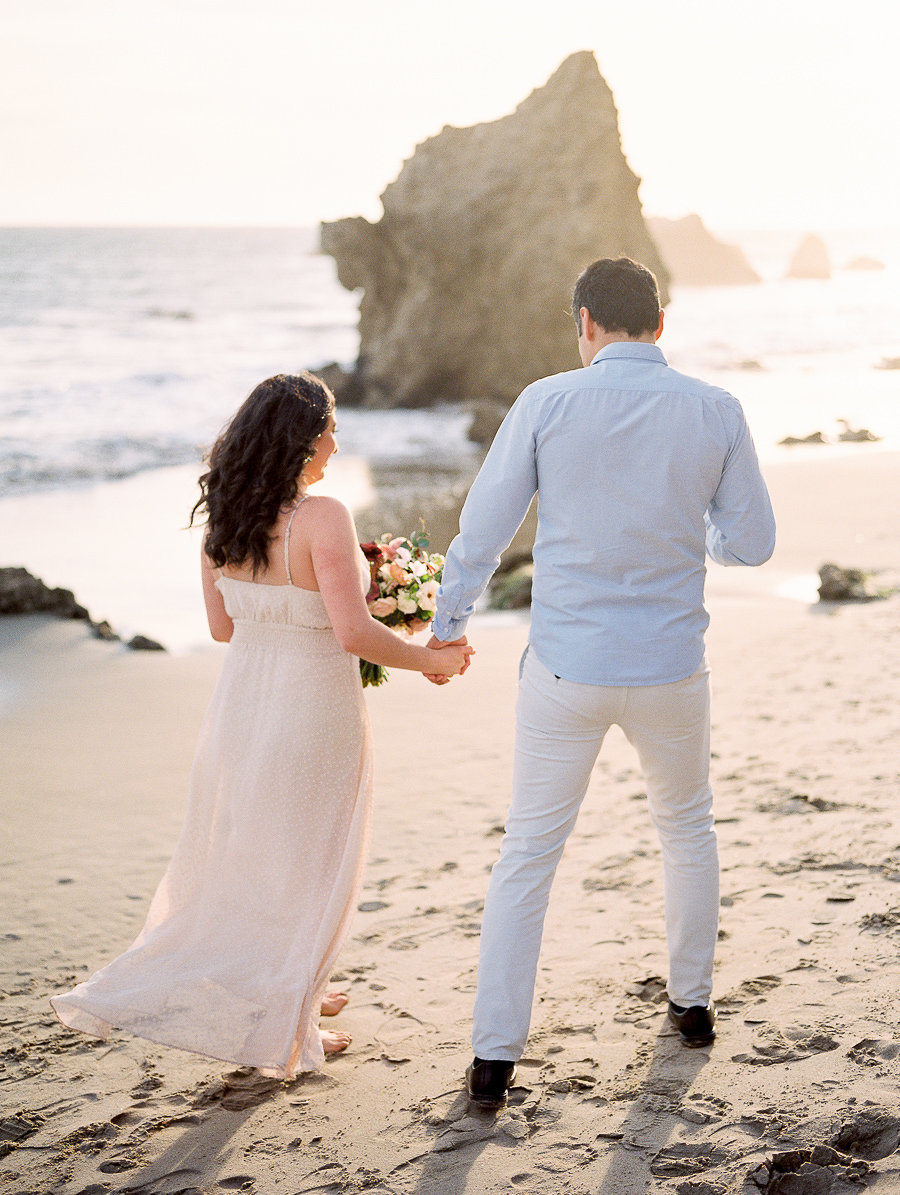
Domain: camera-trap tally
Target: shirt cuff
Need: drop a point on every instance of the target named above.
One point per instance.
(448, 629)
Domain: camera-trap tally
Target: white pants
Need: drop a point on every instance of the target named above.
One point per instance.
(560, 727)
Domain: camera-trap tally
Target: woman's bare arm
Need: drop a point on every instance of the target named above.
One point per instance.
(220, 625)
(335, 555)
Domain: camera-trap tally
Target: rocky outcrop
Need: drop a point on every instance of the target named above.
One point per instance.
(856, 435)
(694, 257)
(810, 259)
(812, 438)
(846, 585)
(850, 435)
(22, 593)
(467, 278)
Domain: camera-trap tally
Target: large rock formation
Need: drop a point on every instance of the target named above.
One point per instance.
(468, 276)
(694, 257)
(810, 259)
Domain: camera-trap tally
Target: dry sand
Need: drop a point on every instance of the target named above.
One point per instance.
(97, 745)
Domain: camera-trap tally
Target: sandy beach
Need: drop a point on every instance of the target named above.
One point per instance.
(97, 744)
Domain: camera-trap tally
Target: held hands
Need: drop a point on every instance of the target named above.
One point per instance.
(454, 654)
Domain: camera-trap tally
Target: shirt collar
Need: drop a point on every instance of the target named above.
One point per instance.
(636, 349)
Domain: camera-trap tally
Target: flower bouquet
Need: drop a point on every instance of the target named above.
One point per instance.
(405, 581)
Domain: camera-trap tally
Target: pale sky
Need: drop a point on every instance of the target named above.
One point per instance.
(782, 113)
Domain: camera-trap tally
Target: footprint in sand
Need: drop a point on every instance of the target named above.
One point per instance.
(871, 1052)
(151, 1082)
(238, 1090)
(652, 989)
(750, 992)
(873, 1134)
(881, 922)
(676, 1161)
(17, 1128)
(791, 1046)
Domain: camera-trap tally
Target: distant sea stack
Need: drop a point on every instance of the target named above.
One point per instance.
(468, 276)
(864, 263)
(694, 257)
(810, 260)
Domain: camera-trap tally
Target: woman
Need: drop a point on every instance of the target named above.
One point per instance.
(245, 926)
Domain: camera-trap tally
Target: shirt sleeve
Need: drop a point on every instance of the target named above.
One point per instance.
(740, 523)
(493, 512)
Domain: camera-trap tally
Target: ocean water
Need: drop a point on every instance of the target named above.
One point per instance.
(123, 352)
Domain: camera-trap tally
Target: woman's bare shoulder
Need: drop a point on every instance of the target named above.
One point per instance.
(322, 512)
(324, 506)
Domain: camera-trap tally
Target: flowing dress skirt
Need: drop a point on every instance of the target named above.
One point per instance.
(253, 909)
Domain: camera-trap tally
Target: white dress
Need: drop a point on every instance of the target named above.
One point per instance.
(252, 911)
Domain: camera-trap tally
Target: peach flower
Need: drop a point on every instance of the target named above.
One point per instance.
(382, 606)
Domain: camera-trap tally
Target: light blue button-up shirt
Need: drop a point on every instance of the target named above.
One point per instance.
(640, 471)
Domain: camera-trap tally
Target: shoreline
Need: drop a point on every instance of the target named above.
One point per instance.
(142, 575)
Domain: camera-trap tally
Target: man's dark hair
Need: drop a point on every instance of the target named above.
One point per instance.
(621, 295)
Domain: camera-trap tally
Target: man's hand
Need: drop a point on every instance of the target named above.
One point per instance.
(436, 644)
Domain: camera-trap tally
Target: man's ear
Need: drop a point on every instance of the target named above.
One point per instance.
(659, 330)
(587, 323)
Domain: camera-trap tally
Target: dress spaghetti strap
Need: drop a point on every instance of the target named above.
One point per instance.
(287, 539)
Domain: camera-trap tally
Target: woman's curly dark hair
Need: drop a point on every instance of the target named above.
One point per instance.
(255, 464)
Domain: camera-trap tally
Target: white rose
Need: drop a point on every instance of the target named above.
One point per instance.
(405, 603)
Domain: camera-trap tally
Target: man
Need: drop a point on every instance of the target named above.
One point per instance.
(640, 472)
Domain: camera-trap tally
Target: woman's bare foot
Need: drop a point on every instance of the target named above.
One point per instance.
(332, 1042)
(333, 1002)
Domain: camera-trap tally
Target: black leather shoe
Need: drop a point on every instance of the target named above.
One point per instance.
(696, 1025)
(488, 1083)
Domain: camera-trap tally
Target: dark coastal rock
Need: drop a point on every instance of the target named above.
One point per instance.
(142, 643)
(513, 590)
(22, 593)
(694, 257)
(810, 259)
(856, 435)
(510, 587)
(103, 630)
(344, 385)
(812, 438)
(486, 419)
(468, 276)
(845, 585)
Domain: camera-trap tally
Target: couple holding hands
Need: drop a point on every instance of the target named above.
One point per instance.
(641, 472)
